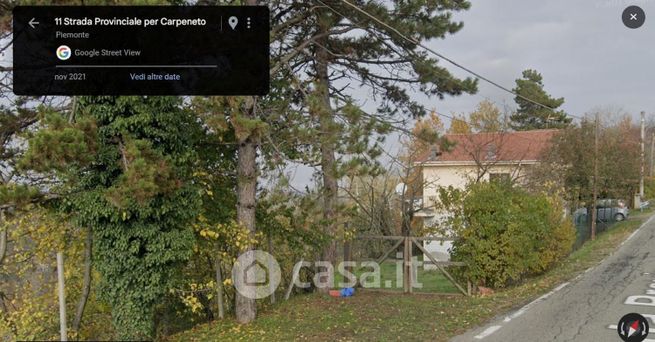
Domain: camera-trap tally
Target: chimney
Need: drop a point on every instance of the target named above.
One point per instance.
(491, 151)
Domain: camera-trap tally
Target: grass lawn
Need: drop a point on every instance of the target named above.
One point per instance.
(432, 281)
(371, 316)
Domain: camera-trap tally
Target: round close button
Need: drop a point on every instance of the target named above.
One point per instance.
(633, 17)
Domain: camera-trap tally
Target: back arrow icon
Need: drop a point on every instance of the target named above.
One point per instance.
(32, 22)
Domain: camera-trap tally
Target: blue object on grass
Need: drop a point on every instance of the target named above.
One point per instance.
(347, 292)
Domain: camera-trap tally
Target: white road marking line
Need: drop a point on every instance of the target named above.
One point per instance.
(636, 231)
(560, 287)
(488, 332)
(515, 314)
(522, 310)
(630, 237)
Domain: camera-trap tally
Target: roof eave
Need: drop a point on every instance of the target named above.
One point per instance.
(471, 162)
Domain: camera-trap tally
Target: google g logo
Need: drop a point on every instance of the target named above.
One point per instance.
(64, 52)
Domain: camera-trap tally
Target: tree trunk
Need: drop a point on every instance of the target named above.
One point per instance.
(246, 204)
(86, 283)
(328, 160)
(219, 287)
(271, 266)
(347, 249)
(245, 306)
(3, 237)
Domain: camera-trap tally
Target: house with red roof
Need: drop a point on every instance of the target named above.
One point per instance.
(476, 157)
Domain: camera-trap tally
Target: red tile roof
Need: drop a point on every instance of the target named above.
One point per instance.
(500, 146)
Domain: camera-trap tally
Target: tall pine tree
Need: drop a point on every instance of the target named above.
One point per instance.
(530, 115)
(348, 47)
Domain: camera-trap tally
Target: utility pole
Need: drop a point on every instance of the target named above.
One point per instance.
(643, 161)
(652, 150)
(595, 188)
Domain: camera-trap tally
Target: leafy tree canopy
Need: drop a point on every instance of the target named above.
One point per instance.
(487, 118)
(458, 125)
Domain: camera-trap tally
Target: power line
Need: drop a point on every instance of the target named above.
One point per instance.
(361, 80)
(449, 60)
(450, 117)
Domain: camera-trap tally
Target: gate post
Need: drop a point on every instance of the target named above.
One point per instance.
(407, 266)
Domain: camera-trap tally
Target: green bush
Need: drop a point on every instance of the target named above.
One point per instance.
(649, 188)
(505, 233)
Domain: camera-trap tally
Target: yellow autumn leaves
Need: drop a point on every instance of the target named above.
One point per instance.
(223, 240)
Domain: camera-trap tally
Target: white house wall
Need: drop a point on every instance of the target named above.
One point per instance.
(457, 176)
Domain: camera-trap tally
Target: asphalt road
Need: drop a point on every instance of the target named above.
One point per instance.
(589, 307)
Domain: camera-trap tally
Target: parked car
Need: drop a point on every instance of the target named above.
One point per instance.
(612, 209)
(607, 210)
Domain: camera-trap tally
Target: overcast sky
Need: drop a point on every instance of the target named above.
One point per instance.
(581, 47)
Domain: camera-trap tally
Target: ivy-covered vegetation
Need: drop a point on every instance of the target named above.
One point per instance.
(129, 177)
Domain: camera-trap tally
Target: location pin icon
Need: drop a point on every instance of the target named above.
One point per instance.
(233, 21)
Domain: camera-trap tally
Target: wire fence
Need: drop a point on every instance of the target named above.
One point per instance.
(583, 227)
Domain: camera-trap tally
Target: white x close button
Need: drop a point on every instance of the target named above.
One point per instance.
(633, 17)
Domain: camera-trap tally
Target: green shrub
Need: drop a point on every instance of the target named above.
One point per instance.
(649, 188)
(505, 233)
